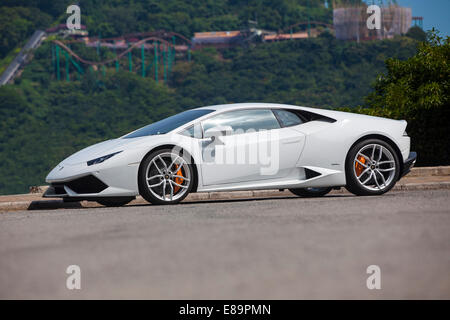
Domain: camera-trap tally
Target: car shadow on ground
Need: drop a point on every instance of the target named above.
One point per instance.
(269, 198)
(57, 204)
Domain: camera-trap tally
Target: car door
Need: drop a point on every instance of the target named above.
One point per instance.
(255, 147)
(292, 141)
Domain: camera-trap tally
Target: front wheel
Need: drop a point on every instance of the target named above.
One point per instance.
(311, 192)
(372, 168)
(165, 177)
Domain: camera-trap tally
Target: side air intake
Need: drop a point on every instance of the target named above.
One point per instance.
(309, 174)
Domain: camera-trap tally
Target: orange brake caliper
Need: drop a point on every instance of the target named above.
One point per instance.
(358, 167)
(177, 179)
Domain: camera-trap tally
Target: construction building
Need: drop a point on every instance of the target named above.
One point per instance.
(350, 20)
(217, 39)
(63, 31)
(285, 36)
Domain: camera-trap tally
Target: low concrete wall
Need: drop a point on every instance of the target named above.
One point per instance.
(430, 171)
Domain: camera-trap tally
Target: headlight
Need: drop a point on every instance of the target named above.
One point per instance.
(101, 159)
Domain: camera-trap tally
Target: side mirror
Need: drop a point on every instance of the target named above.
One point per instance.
(218, 131)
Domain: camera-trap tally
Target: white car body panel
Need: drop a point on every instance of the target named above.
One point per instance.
(316, 145)
(291, 144)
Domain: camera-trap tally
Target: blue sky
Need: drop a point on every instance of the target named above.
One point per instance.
(436, 13)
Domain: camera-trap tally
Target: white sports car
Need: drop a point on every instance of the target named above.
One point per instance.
(244, 146)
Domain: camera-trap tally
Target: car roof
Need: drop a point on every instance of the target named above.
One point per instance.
(337, 115)
(236, 106)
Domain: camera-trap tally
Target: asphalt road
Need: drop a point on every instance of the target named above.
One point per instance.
(274, 248)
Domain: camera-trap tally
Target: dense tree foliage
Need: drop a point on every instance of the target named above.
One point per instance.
(320, 72)
(418, 90)
(417, 33)
(54, 8)
(40, 126)
(110, 18)
(113, 17)
(16, 24)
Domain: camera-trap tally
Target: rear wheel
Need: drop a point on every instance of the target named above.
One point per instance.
(166, 177)
(311, 192)
(372, 168)
(115, 202)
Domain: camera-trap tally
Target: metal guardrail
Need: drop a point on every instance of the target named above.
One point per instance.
(21, 58)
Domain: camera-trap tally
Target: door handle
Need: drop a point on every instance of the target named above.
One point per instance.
(290, 141)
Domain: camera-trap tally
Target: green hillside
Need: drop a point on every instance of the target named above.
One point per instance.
(43, 120)
(114, 18)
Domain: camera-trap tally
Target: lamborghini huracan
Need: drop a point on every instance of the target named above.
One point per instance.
(246, 146)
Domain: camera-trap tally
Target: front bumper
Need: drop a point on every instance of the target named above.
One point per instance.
(408, 164)
(87, 185)
(110, 179)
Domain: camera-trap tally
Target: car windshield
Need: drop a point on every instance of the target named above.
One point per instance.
(168, 124)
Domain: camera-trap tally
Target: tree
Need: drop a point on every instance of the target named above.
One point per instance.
(16, 24)
(417, 90)
(417, 33)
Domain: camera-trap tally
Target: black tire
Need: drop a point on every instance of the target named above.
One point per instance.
(311, 192)
(144, 189)
(115, 202)
(354, 185)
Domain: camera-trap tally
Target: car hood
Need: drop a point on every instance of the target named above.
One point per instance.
(100, 149)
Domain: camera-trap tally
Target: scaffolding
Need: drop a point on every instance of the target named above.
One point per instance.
(350, 20)
(418, 22)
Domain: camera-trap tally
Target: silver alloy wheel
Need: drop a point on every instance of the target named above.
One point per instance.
(374, 167)
(168, 176)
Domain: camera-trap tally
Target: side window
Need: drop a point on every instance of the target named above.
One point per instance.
(244, 120)
(287, 118)
(194, 131)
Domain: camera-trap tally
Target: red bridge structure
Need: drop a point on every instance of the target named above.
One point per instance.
(163, 45)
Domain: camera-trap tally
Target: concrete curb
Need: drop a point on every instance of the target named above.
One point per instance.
(429, 171)
(203, 196)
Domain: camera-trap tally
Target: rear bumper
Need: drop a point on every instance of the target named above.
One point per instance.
(409, 163)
